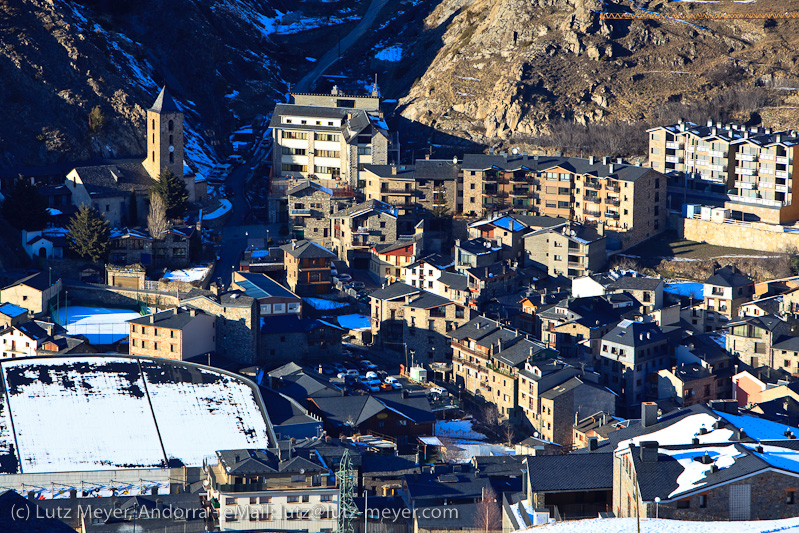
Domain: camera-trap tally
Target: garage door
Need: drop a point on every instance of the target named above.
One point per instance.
(740, 502)
(126, 282)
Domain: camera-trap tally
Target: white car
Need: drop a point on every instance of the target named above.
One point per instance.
(393, 382)
(441, 391)
(371, 375)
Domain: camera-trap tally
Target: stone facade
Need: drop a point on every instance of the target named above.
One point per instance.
(425, 330)
(36, 299)
(158, 339)
(356, 231)
(237, 324)
(751, 235)
(310, 208)
(560, 253)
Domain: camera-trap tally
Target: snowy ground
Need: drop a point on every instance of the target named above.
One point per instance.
(324, 305)
(219, 211)
(618, 525)
(457, 429)
(392, 53)
(100, 325)
(187, 275)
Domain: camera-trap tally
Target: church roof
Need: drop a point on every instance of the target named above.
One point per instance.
(115, 178)
(165, 103)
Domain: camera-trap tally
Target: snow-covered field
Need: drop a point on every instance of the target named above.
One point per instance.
(457, 429)
(618, 525)
(186, 275)
(392, 53)
(686, 288)
(100, 325)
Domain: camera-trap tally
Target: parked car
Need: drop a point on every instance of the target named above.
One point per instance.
(357, 285)
(367, 365)
(393, 383)
(344, 278)
(386, 386)
(353, 372)
(373, 387)
(360, 385)
(441, 391)
(329, 370)
(338, 367)
(372, 375)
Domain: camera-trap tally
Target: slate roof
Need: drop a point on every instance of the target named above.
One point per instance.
(435, 260)
(115, 178)
(430, 486)
(299, 383)
(787, 343)
(643, 283)
(457, 282)
(428, 300)
(403, 172)
(500, 465)
(539, 221)
(307, 111)
(39, 281)
(728, 277)
(388, 465)
(342, 410)
(307, 249)
(308, 185)
(165, 103)
(479, 246)
(703, 346)
(570, 472)
(634, 334)
(394, 291)
(521, 350)
(436, 169)
(176, 318)
(767, 322)
(565, 387)
(623, 172)
(259, 462)
(285, 411)
(364, 208)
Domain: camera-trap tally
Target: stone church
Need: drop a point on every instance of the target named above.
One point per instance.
(111, 186)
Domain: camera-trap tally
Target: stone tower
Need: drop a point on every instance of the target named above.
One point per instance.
(164, 136)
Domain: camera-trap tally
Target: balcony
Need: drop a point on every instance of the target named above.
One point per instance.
(360, 230)
(745, 157)
(300, 212)
(744, 185)
(360, 243)
(593, 199)
(590, 213)
(781, 174)
(520, 192)
(782, 160)
(592, 185)
(576, 264)
(612, 201)
(490, 177)
(673, 159)
(523, 178)
(401, 192)
(612, 188)
(716, 153)
(671, 145)
(612, 216)
(745, 171)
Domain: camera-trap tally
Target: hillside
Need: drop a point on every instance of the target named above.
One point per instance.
(509, 71)
(61, 58)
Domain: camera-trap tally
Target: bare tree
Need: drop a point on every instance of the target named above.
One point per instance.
(509, 432)
(490, 417)
(157, 222)
(487, 516)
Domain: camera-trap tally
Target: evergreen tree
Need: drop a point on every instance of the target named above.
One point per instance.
(173, 191)
(23, 207)
(133, 208)
(88, 234)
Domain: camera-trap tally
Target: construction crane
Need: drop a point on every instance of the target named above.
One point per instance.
(347, 511)
(697, 16)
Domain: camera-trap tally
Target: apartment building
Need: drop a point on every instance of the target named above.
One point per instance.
(425, 272)
(487, 358)
(307, 267)
(751, 166)
(752, 339)
(724, 293)
(180, 334)
(356, 229)
(630, 352)
(272, 490)
(24, 339)
(310, 206)
(389, 261)
(629, 200)
(479, 253)
(428, 319)
(430, 185)
(388, 314)
(273, 299)
(574, 399)
(328, 137)
(510, 231)
(571, 250)
(34, 293)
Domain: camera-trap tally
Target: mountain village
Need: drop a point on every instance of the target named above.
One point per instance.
(323, 333)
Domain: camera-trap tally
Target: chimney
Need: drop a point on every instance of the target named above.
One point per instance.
(393, 170)
(605, 160)
(192, 312)
(486, 272)
(649, 452)
(590, 160)
(714, 468)
(175, 311)
(709, 123)
(695, 440)
(593, 443)
(610, 168)
(152, 318)
(619, 160)
(649, 414)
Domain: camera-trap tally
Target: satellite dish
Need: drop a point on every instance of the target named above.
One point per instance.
(535, 434)
(515, 151)
(302, 471)
(205, 483)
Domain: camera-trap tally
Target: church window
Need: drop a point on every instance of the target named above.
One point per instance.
(153, 123)
(153, 138)
(153, 156)
(171, 143)
(171, 157)
(171, 125)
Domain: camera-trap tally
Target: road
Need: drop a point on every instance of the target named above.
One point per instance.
(327, 60)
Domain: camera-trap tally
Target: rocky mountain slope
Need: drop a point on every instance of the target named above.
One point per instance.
(61, 58)
(507, 70)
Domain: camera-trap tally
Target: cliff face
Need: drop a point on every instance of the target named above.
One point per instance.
(508, 68)
(61, 58)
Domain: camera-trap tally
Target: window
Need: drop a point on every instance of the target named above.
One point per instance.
(306, 498)
(293, 499)
(684, 504)
(171, 126)
(155, 346)
(702, 501)
(230, 501)
(325, 498)
(790, 497)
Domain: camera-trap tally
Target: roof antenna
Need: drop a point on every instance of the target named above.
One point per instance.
(375, 89)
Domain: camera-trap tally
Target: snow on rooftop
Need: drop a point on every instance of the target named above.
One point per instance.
(217, 401)
(758, 428)
(354, 322)
(686, 288)
(457, 429)
(683, 431)
(187, 275)
(694, 472)
(77, 415)
(783, 458)
(615, 525)
(87, 413)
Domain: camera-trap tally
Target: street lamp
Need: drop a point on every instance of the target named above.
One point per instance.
(657, 502)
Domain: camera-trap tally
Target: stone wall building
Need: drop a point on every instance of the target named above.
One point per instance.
(630, 201)
(356, 229)
(237, 323)
(34, 293)
(178, 334)
(310, 206)
(428, 319)
(752, 339)
(570, 250)
(307, 267)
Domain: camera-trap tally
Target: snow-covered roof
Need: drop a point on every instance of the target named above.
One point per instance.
(88, 413)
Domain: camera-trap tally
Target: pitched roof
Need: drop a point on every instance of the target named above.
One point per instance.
(164, 103)
(428, 300)
(115, 179)
(355, 410)
(38, 281)
(176, 318)
(728, 277)
(458, 282)
(394, 291)
(632, 333)
(262, 286)
(621, 171)
(309, 186)
(644, 283)
(307, 249)
(364, 208)
(570, 472)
